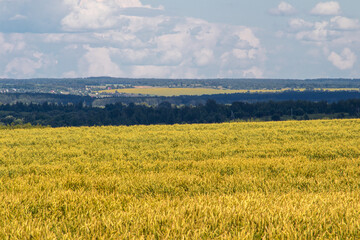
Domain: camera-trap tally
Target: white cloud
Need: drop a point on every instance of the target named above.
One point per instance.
(204, 57)
(298, 23)
(344, 61)
(245, 54)
(324, 36)
(133, 55)
(240, 53)
(344, 23)
(253, 72)
(348, 38)
(23, 67)
(169, 41)
(150, 71)
(5, 46)
(71, 47)
(98, 62)
(326, 8)
(89, 15)
(283, 8)
(171, 57)
(121, 38)
(113, 3)
(14, 42)
(185, 47)
(135, 23)
(200, 33)
(246, 38)
(199, 43)
(100, 37)
(18, 17)
(320, 33)
(99, 14)
(337, 32)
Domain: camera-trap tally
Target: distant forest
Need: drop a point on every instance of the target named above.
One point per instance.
(33, 84)
(314, 96)
(39, 102)
(40, 98)
(58, 115)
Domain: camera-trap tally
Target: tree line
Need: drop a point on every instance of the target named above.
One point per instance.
(314, 96)
(58, 115)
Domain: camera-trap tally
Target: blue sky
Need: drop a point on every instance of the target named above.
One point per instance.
(180, 38)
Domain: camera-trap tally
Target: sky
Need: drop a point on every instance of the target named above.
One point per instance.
(180, 39)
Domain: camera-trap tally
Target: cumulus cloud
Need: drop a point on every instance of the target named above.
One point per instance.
(89, 15)
(337, 31)
(348, 38)
(98, 62)
(245, 54)
(320, 33)
(97, 14)
(326, 8)
(23, 67)
(298, 23)
(323, 31)
(204, 57)
(240, 53)
(170, 57)
(344, 23)
(13, 43)
(101, 37)
(343, 61)
(323, 37)
(253, 72)
(5, 46)
(283, 8)
(246, 38)
(133, 55)
(113, 3)
(183, 47)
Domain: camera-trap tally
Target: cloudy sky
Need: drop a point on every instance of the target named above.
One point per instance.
(180, 38)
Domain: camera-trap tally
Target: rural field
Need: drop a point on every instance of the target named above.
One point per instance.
(169, 92)
(246, 180)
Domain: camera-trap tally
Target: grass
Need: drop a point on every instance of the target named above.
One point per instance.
(215, 181)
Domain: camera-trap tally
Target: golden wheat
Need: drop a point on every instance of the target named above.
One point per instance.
(282, 180)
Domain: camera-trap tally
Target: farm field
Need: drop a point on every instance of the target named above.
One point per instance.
(249, 180)
(169, 92)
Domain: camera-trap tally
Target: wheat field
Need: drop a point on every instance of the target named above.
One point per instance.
(250, 180)
(170, 92)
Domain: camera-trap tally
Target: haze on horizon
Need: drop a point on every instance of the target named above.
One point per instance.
(180, 39)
